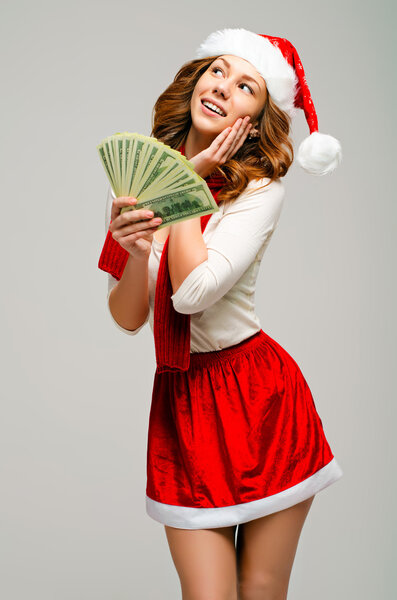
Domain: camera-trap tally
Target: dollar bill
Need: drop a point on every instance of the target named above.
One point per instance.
(160, 177)
(179, 206)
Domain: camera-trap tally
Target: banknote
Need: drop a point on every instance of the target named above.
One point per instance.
(158, 176)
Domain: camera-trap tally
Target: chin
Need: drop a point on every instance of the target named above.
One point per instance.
(205, 123)
(208, 125)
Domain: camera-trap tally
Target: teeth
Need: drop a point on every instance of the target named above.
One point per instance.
(214, 107)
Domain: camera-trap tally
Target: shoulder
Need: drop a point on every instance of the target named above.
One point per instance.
(263, 188)
(259, 196)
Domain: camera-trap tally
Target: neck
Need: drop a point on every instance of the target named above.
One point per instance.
(196, 142)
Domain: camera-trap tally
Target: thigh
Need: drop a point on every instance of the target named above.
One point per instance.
(266, 549)
(205, 560)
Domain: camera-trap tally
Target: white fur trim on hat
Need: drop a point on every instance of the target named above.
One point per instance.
(319, 153)
(280, 77)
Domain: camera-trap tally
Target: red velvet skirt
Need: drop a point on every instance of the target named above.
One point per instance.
(234, 438)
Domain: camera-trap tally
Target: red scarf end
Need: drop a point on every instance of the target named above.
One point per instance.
(113, 257)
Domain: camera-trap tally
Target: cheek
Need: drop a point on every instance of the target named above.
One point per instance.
(240, 110)
(244, 104)
(200, 87)
(196, 93)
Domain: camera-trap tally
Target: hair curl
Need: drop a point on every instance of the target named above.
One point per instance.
(268, 155)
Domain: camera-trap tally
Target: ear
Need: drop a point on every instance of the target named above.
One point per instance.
(253, 133)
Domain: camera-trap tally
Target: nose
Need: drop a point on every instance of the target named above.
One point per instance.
(222, 88)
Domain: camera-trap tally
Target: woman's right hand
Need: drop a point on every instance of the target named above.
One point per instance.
(134, 237)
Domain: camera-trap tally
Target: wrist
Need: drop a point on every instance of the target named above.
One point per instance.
(138, 257)
(203, 167)
(206, 172)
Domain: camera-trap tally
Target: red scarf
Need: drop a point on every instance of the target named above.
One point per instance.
(171, 329)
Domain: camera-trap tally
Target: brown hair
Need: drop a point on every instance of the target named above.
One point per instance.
(269, 155)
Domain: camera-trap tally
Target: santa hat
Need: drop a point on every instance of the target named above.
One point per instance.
(277, 60)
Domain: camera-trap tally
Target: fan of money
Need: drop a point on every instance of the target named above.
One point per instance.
(159, 177)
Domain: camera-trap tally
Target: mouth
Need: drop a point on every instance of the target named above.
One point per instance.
(212, 108)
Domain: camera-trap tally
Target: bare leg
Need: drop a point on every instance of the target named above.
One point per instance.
(266, 549)
(205, 560)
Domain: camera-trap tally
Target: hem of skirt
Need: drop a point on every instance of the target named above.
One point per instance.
(187, 517)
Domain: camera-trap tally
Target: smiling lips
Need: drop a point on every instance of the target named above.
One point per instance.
(211, 111)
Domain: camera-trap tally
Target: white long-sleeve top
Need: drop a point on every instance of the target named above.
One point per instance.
(219, 293)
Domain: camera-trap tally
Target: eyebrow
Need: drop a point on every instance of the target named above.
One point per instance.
(246, 76)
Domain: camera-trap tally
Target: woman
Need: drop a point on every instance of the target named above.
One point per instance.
(235, 444)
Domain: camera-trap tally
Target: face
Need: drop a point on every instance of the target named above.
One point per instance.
(234, 85)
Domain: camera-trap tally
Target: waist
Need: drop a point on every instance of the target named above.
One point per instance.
(200, 359)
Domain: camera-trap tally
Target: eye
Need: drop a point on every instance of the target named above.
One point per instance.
(250, 89)
(213, 69)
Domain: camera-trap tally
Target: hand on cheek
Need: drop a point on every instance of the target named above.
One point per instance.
(236, 136)
(222, 148)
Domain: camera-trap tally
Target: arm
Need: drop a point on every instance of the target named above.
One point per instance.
(184, 257)
(247, 224)
(186, 248)
(128, 299)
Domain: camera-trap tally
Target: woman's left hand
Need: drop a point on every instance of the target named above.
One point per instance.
(222, 148)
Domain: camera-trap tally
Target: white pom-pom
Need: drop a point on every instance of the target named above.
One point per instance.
(319, 153)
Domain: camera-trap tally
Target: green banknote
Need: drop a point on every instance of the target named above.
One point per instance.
(178, 206)
(160, 177)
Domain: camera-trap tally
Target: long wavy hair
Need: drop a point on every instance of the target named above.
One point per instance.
(269, 155)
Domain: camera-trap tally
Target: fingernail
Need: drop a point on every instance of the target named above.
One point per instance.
(149, 213)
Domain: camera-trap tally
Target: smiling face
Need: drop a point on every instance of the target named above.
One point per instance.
(235, 86)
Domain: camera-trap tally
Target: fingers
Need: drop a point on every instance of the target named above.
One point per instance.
(137, 227)
(226, 138)
(127, 239)
(231, 139)
(130, 238)
(241, 129)
(121, 202)
(219, 140)
(131, 221)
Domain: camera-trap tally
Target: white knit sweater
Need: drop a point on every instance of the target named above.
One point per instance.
(219, 293)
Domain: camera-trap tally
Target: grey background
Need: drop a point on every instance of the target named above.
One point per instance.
(76, 391)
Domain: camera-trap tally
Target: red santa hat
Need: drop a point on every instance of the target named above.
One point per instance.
(277, 60)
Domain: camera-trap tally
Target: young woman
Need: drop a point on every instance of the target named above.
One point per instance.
(236, 449)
